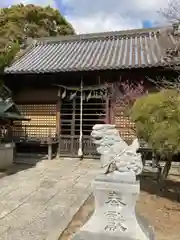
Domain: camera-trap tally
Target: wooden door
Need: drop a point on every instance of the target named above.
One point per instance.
(94, 111)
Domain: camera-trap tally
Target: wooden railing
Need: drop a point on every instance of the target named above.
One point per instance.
(69, 146)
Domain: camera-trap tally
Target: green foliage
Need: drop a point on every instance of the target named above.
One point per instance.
(157, 121)
(8, 55)
(21, 21)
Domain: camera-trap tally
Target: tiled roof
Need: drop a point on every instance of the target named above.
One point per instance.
(113, 50)
(6, 111)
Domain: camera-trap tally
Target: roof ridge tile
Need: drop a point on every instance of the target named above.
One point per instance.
(101, 35)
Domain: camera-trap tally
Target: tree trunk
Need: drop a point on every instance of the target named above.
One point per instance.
(166, 169)
(165, 173)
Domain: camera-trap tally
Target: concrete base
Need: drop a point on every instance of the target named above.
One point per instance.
(115, 216)
(143, 223)
(6, 155)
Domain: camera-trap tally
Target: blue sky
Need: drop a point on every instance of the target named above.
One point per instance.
(104, 15)
(63, 7)
(147, 24)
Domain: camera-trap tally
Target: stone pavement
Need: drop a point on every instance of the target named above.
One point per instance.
(38, 203)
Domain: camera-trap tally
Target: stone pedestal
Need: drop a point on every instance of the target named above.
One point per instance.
(115, 217)
(6, 155)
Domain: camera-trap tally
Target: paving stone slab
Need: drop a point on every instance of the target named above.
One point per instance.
(24, 234)
(38, 203)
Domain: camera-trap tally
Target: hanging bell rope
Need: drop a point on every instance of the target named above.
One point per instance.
(80, 151)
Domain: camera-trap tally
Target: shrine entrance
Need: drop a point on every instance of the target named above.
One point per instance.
(94, 111)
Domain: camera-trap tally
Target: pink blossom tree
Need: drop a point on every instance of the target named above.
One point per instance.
(123, 94)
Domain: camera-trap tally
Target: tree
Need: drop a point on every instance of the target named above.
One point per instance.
(125, 93)
(157, 118)
(19, 22)
(157, 133)
(171, 14)
(122, 95)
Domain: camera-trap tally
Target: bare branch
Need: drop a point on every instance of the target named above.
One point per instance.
(124, 93)
(171, 56)
(163, 83)
(172, 12)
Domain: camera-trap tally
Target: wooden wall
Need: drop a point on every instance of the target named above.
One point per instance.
(36, 96)
(41, 107)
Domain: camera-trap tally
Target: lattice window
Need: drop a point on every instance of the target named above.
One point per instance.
(43, 120)
(124, 124)
(126, 134)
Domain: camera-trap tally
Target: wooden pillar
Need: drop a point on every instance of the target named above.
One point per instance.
(49, 145)
(108, 110)
(58, 121)
(73, 126)
(58, 114)
(112, 112)
(112, 105)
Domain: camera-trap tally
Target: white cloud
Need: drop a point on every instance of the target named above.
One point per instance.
(52, 3)
(104, 15)
(109, 15)
(101, 23)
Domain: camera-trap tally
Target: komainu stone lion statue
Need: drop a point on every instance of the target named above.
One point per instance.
(115, 151)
